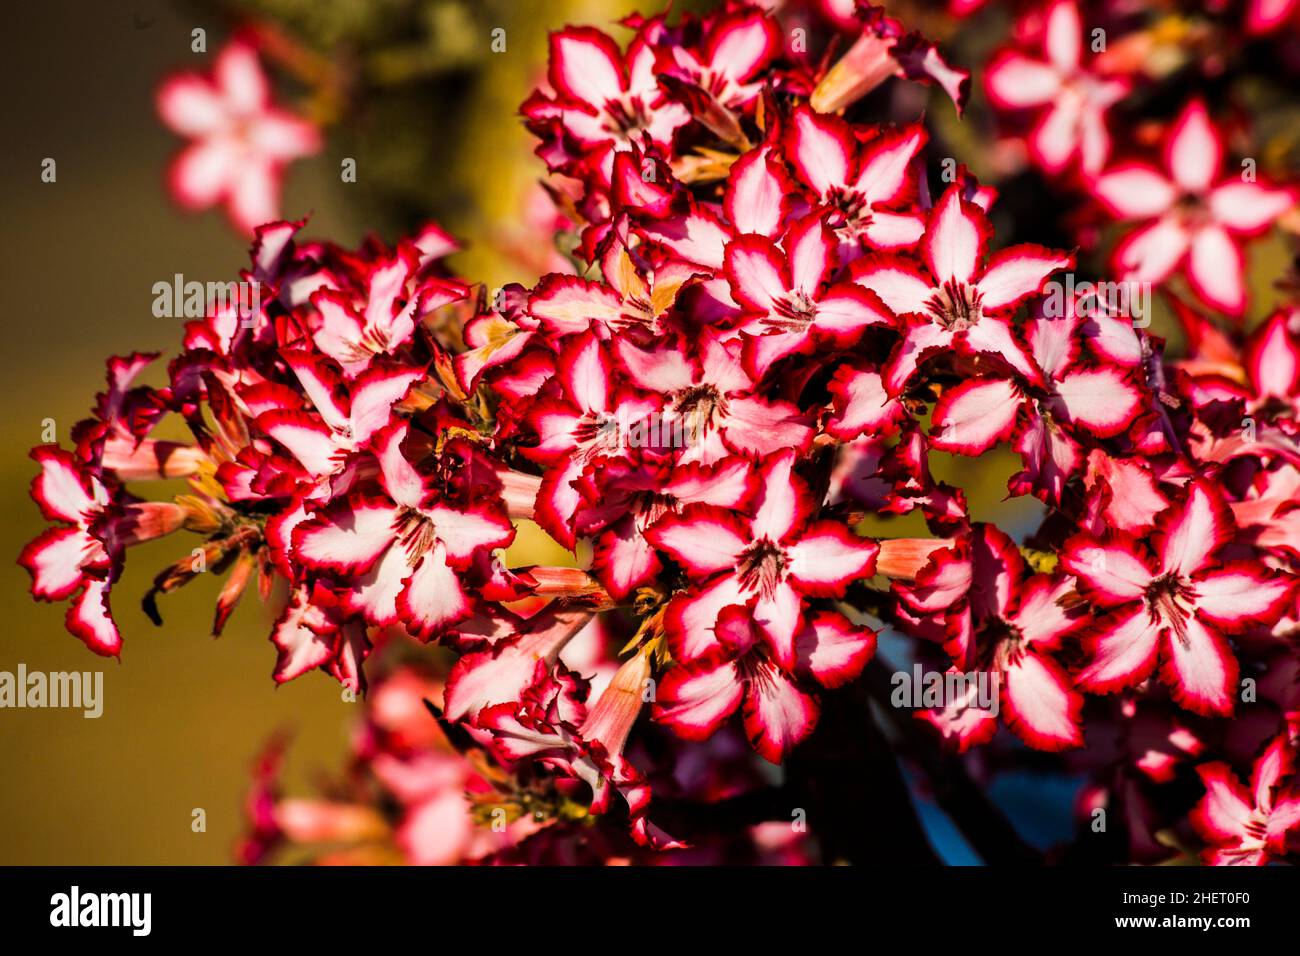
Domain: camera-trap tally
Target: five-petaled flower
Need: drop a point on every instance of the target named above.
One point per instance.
(1173, 603)
(241, 142)
(1069, 98)
(957, 300)
(772, 562)
(1194, 220)
(1249, 827)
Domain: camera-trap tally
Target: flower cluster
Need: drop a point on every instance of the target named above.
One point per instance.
(776, 327)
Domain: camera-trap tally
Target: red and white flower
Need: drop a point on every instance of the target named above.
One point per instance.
(402, 552)
(354, 331)
(81, 556)
(788, 296)
(1069, 97)
(778, 709)
(1009, 633)
(1249, 827)
(722, 77)
(633, 301)
(1076, 402)
(1264, 376)
(314, 631)
(771, 564)
(241, 142)
(1173, 604)
(866, 187)
(1194, 220)
(603, 101)
(629, 501)
(696, 698)
(723, 381)
(71, 558)
(957, 300)
(347, 415)
(711, 395)
(581, 426)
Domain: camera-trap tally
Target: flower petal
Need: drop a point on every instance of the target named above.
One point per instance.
(900, 284)
(1225, 811)
(695, 699)
(1192, 531)
(90, 620)
(810, 248)
(566, 305)
(1216, 269)
(1134, 191)
(189, 105)
(1101, 400)
(346, 536)
(777, 714)
(55, 559)
(955, 238)
(704, 539)
(972, 417)
(757, 428)
(820, 148)
(433, 598)
(403, 483)
(1194, 151)
(1124, 650)
(464, 533)
(692, 617)
(307, 439)
(60, 490)
(757, 273)
(1240, 594)
(783, 499)
(586, 66)
(845, 310)
(757, 198)
(1249, 207)
(1063, 36)
(239, 76)
(743, 43)
(1042, 707)
(885, 164)
(833, 649)
(1015, 274)
(374, 394)
(861, 404)
(1112, 572)
(1014, 81)
(1273, 359)
(828, 557)
(1151, 253)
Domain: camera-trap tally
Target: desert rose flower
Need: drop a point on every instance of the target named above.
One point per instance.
(1194, 220)
(240, 141)
(1249, 827)
(1173, 604)
(1068, 98)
